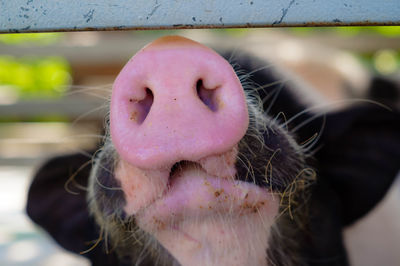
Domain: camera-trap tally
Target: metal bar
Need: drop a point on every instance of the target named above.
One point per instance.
(80, 15)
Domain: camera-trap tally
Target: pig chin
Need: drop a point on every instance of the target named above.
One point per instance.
(199, 211)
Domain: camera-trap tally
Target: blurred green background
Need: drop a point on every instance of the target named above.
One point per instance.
(33, 77)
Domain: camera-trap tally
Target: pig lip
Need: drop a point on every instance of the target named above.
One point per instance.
(192, 192)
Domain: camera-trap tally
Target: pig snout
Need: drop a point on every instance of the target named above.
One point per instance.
(176, 100)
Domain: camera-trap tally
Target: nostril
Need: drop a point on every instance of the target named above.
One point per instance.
(207, 95)
(140, 109)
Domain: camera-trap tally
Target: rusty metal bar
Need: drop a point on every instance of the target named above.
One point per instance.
(80, 15)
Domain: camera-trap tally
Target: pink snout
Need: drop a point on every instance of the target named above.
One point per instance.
(176, 100)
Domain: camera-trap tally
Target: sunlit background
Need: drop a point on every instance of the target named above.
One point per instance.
(54, 89)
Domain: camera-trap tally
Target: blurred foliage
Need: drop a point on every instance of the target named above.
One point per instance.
(387, 31)
(41, 118)
(30, 38)
(49, 77)
(34, 77)
(385, 61)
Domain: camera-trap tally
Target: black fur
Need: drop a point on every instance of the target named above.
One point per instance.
(357, 159)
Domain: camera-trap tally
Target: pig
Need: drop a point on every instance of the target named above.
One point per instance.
(210, 162)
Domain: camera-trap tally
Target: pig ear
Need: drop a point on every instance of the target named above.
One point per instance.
(360, 156)
(64, 215)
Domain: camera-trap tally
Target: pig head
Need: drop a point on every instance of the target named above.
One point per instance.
(200, 167)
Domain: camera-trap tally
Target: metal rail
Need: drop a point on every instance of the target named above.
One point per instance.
(82, 15)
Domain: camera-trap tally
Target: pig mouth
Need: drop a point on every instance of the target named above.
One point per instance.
(201, 190)
(178, 167)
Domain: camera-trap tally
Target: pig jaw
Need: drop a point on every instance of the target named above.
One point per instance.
(200, 218)
(219, 240)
